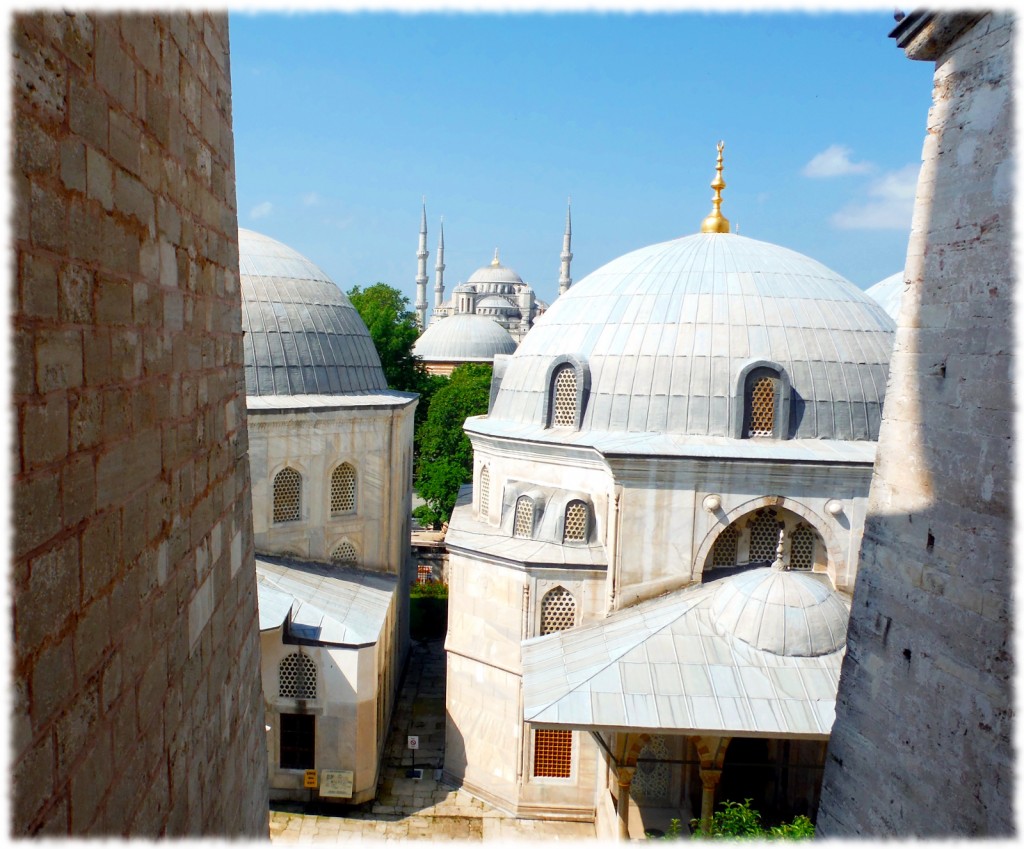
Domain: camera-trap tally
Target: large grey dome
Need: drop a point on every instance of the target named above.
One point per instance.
(302, 334)
(665, 333)
(463, 338)
(782, 612)
(888, 293)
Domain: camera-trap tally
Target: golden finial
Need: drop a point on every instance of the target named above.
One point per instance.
(495, 263)
(716, 222)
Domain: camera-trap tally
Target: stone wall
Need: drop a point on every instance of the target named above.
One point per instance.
(922, 743)
(136, 702)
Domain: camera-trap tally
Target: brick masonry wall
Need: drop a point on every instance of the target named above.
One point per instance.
(922, 740)
(137, 706)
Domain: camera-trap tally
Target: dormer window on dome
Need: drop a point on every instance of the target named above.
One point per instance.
(576, 521)
(763, 398)
(523, 526)
(567, 383)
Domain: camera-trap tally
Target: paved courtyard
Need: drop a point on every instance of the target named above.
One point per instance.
(425, 808)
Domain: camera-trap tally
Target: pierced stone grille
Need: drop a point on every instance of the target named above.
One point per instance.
(344, 553)
(343, 490)
(557, 611)
(762, 407)
(801, 548)
(485, 492)
(524, 518)
(651, 780)
(724, 553)
(296, 677)
(576, 521)
(563, 401)
(287, 496)
(552, 753)
(764, 537)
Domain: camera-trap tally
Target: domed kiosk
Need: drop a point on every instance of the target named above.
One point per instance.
(658, 550)
(330, 453)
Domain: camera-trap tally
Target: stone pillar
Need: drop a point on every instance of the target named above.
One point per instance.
(709, 778)
(624, 777)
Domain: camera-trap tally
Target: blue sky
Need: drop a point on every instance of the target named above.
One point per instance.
(344, 121)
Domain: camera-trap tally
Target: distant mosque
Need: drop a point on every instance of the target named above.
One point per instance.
(488, 315)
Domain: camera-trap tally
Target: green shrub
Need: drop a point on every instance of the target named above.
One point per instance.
(430, 589)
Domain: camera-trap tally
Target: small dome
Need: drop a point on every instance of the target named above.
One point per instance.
(495, 274)
(463, 338)
(783, 612)
(302, 336)
(888, 293)
(497, 302)
(666, 332)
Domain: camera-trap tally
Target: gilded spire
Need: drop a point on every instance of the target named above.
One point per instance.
(495, 263)
(716, 222)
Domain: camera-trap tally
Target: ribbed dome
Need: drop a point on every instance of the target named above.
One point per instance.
(782, 612)
(495, 274)
(302, 334)
(472, 338)
(667, 330)
(497, 302)
(888, 293)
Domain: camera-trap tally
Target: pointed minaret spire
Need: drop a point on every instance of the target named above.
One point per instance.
(439, 271)
(716, 222)
(495, 263)
(421, 276)
(564, 280)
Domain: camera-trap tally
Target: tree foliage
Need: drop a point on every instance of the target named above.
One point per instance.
(445, 459)
(739, 821)
(393, 328)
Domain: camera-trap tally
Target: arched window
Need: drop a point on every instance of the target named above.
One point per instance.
(485, 492)
(296, 677)
(563, 397)
(287, 496)
(344, 552)
(343, 490)
(724, 552)
(575, 521)
(557, 611)
(523, 526)
(801, 548)
(762, 403)
(764, 536)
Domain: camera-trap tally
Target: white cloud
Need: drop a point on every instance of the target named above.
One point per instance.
(311, 199)
(835, 162)
(891, 207)
(261, 210)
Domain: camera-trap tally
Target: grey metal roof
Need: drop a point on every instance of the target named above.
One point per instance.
(495, 274)
(888, 293)
(302, 334)
(473, 338)
(352, 400)
(662, 665)
(328, 603)
(666, 330)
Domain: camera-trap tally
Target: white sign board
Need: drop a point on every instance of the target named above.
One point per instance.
(336, 782)
(414, 742)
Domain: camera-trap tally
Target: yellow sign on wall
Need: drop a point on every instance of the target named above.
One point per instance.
(309, 780)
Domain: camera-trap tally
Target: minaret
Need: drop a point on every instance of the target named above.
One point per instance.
(716, 222)
(421, 276)
(564, 280)
(439, 271)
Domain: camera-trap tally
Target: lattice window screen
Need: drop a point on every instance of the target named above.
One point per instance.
(296, 677)
(343, 490)
(576, 521)
(651, 780)
(524, 517)
(762, 407)
(724, 553)
(557, 611)
(287, 496)
(485, 492)
(345, 552)
(552, 753)
(801, 548)
(764, 536)
(563, 400)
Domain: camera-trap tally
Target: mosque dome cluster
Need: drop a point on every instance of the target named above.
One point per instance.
(302, 336)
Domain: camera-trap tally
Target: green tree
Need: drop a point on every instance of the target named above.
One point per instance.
(393, 328)
(445, 455)
(739, 821)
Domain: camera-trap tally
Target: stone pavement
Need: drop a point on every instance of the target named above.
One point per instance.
(408, 808)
